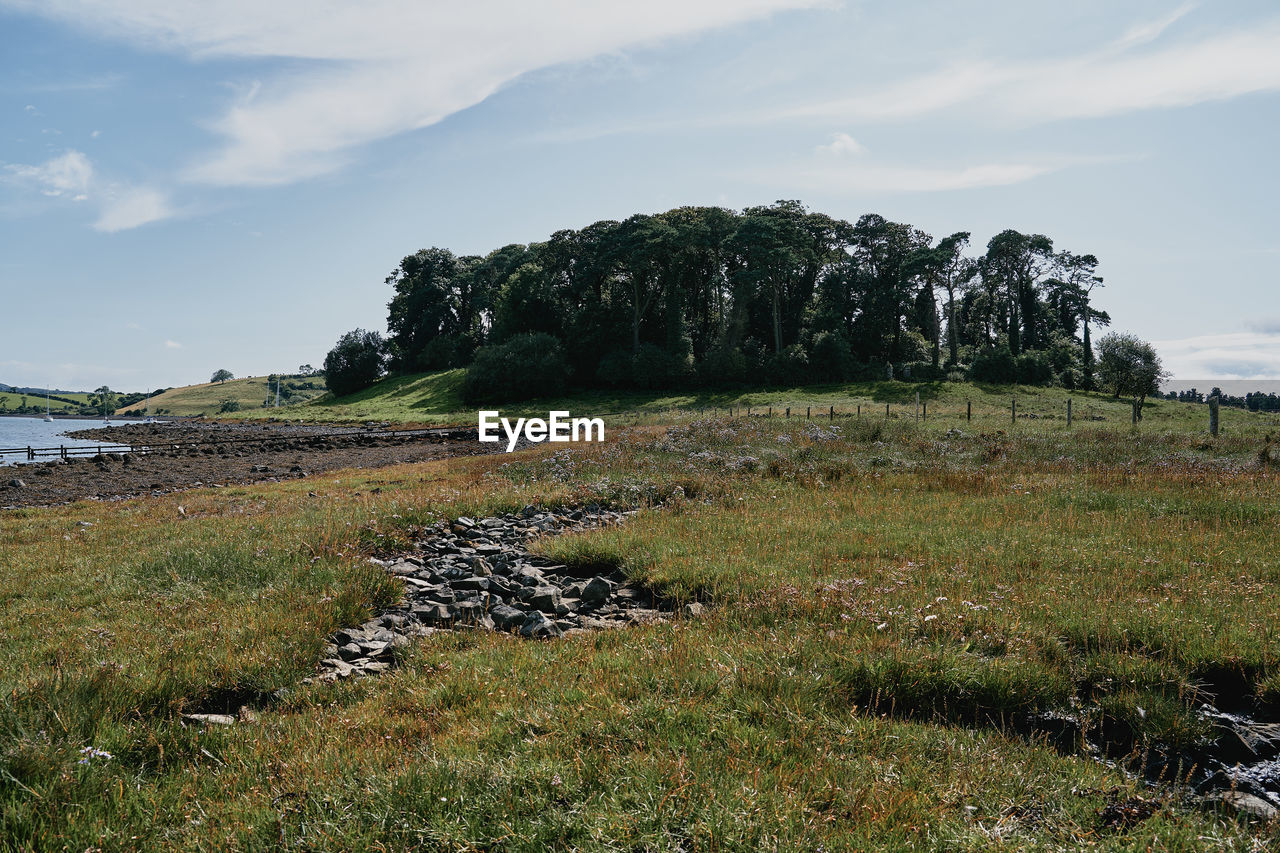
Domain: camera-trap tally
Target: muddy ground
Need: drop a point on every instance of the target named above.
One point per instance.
(227, 454)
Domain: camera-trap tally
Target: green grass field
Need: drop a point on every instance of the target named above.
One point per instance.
(206, 399)
(12, 401)
(885, 602)
(435, 398)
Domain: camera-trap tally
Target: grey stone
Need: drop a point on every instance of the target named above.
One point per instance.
(210, 719)
(505, 616)
(598, 589)
(350, 651)
(545, 598)
(1250, 805)
(439, 594)
(472, 583)
(432, 613)
(538, 626)
(692, 610)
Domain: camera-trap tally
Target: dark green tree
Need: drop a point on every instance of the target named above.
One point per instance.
(355, 362)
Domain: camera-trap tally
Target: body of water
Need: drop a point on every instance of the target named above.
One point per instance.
(34, 432)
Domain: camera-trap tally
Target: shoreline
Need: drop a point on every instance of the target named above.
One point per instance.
(228, 454)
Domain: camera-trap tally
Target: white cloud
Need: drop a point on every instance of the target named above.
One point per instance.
(841, 145)
(65, 176)
(172, 345)
(380, 67)
(1236, 355)
(1110, 81)
(132, 207)
(72, 176)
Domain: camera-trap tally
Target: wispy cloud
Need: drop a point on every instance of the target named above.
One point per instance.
(1149, 31)
(846, 166)
(841, 145)
(72, 176)
(1112, 80)
(1236, 355)
(377, 68)
(133, 207)
(65, 176)
(172, 345)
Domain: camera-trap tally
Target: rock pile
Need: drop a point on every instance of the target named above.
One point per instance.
(479, 575)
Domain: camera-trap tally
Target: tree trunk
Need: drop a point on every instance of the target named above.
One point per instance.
(777, 321)
(952, 342)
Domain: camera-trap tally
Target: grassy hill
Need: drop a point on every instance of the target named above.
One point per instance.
(433, 398)
(208, 398)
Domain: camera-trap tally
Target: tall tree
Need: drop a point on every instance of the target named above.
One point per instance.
(1017, 262)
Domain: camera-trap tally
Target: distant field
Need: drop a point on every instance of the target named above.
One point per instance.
(434, 398)
(207, 399)
(12, 401)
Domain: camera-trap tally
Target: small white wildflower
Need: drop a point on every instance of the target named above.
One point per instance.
(931, 617)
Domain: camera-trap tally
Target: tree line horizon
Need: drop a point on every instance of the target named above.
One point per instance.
(707, 296)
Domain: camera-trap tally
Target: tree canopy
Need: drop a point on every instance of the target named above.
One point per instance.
(355, 362)
(221, 376)
(773, 293)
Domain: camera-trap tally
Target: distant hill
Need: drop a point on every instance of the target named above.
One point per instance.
(232, 397)
(14, 389)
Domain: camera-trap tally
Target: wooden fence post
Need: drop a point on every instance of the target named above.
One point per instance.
(1015, 410)
(1135, 411)
(968, 410)
(833, 414)
(808, 412)
(924, 411)
(1213, 416)
(771, 411)
(1068, 411)
(788, 411)
(886, 410)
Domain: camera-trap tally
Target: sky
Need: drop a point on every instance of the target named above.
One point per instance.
(189, 185)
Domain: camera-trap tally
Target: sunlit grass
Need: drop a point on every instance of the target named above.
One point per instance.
(885, 605)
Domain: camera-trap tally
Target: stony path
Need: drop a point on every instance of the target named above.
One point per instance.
(479, 575)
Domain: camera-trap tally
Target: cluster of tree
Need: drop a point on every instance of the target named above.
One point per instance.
(1254, 401)
(705, 295)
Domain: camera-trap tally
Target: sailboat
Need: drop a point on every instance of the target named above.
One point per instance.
(48, 418)
(147, 412)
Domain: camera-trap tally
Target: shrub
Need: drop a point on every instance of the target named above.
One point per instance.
(791, 366)
(1033, 368)
(526, 366)
(355, 362)
(723, 366)
(228, 405)
(615, 369)
(830, 359)
(993, 365)
(653, 368)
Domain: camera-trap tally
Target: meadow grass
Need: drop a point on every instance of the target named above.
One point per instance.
(886, 602)
(436, 398)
